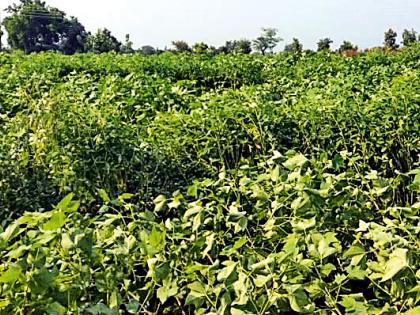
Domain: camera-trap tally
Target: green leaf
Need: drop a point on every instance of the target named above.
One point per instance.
(56, 309)
(197, 287)
(298, 203)
(299, 301)
(157, 241)
(193, 209)
(101, 309)
(236, 311)
(66, 241)
(260, 280)
(226, 272)
(113, 299)
(275, 174)
(10, 231)
(65, 202)
(125, 196)
(303, 225)
(192, 190)
(16, 253)
(291, 243)
(324, 249)
(160, 203)
(264, 263)
(4, 303)
(163, 293)
(353, 306)
(415, 185)
(196, 222)
(239, 243)
(58, 219)
(103, 194)
(195, 298)
(337, 162)
(414, 311)
(327, 269)
(354, 250)
(357, 274)
(11, 275)
(397, 261)
(297, 161)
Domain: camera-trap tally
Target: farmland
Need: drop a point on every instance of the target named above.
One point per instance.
(197, 184)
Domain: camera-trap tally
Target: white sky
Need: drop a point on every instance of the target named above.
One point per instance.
(158, 22)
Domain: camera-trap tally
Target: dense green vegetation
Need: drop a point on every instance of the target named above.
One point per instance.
(198, 184)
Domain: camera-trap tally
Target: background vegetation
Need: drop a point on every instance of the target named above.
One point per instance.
(34, 26)
(204, 180)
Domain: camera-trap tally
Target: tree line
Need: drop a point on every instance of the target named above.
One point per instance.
(33, 26)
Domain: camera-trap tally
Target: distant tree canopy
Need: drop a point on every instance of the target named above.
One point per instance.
(409, 37)
(1, 35)
(324, 44)
(242, 46)
(200, 48)
(345, 46)
(181, 46)
(147, 50)
(227, 48)
(267, 41)
(294, 47)
(33, 26)
(103, 41)
(390, 39)
(127, 47)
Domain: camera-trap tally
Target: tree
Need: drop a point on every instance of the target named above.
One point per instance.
(243, 46)
(33, 26)
(103, 41)
(295, 47)
(74, 37)
(227, 48)
(213, 50)
(324, 44)
(181, 46)
(200, 48)
(127, 47)
(346, 46)
(391, 39)
(267, 41)
(1, 35)
(409, 37)
(148, 50)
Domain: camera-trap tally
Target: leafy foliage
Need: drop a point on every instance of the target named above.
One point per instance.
(181, 46)
(286, 234)
(390, 40)
(267, 41)
(242, 46)
(33, 26)
(409, 37)
(201, 184)
(147, 50)
(346, 46)
(324, 44)
(103, 41)
(127, 47)
(295, 47)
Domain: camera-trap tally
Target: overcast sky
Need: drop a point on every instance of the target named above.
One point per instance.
(158, 22)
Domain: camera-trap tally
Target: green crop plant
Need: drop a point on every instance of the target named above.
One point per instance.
(199, 184)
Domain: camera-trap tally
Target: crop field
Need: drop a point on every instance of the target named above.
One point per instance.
(197, 184)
